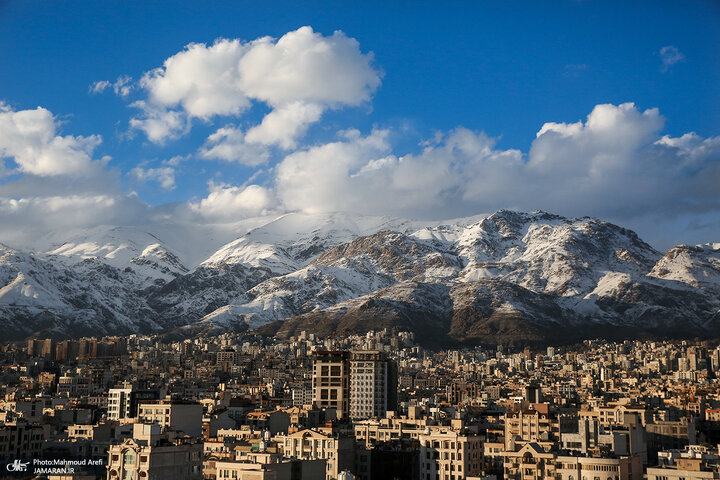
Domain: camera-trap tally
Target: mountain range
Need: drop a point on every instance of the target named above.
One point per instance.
(506, 277)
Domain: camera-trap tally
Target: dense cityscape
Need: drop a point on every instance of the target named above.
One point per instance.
(241, 406)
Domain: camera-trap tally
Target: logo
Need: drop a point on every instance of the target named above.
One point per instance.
(17, 466)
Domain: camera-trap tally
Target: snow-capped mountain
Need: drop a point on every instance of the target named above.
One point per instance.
(697, 266)
(42, 294)
(146, 256)
(503, 277)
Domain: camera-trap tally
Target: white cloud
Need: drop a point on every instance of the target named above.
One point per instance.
(24, 221)
(669, 56)
(165, 176)
(322, 178)
(228, 143)
(30, 138)
(361, 174)
(616, 164)
(227, 203)
(202, 81)
(299, 75)
(99, 86)
(284, 125)
(176, 160)
(613, 165)
(608, 140)
(159, 124)
(692, 146)
(304, 66)
(121, 87)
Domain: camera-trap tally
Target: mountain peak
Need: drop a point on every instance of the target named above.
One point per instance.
(486, 277)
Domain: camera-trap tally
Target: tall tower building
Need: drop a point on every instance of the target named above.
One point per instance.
(373, 384)
(123, 400)
(331, 381)
(357, 384)
(715, 360)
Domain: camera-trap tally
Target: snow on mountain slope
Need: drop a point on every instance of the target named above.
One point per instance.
(587, 266)
(282, 246)
(189, 297)
(697, 266)
(550, 254)
(352, 269)
(143, 253)
(500, 275)
(40, 295)
(311, 288)
(22, 278)
(294, 239)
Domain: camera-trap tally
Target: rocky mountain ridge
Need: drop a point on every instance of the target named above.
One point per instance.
(505, 277)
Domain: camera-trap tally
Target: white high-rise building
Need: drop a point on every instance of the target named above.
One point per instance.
(373, 384)
(119, 403)
(123, 400)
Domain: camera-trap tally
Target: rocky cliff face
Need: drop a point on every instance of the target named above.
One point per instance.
(505, 277)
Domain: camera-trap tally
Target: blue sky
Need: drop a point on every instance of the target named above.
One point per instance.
(456, 92)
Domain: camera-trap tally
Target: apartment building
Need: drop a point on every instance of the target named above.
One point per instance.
(357, 384)
(529, 462)
(21, 440)
(149, 455)
(182, 417)
(373, 384)
(338, 452)
(598, 468)
(331, 381)
(447, 454)
(532, 423)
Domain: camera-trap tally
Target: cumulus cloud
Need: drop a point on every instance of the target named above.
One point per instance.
(305, 66)
(299, 75)
(228, 143)
(164, 176)
(121, 87)
(321, 178)
(201, 81)
(285, 124)
(282, 127)
(669, 56)
(361, 174)
(228, 203)
(57, 184)
(159, 124)
(25, 221)
(30, 138)
(615, 164)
